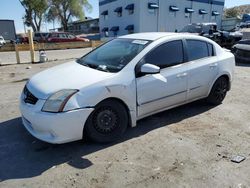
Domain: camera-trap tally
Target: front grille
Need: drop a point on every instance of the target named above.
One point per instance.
(29, 97)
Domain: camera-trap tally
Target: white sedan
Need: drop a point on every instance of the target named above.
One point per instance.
(2, 41)
(124, 80)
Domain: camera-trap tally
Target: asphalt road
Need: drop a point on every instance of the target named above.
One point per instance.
(189, 146)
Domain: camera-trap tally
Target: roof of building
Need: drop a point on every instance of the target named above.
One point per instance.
(83, 21)
(149, 36)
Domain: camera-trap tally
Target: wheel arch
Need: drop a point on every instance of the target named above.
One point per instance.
(121, 102)
(225, 75)
(130, 120)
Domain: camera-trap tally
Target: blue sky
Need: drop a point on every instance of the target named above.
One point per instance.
(12, 9)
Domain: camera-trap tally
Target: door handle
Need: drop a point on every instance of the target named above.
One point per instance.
(182, 75)
(213, 65)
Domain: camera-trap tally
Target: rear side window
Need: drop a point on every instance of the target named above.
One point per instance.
(166, 55)
(210, 49)
(197, 49)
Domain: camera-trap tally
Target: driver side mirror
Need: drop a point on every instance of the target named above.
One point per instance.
(149, 69)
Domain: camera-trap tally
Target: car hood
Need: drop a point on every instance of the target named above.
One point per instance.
(66, 76)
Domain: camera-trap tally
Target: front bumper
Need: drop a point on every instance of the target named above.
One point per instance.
(56, 128)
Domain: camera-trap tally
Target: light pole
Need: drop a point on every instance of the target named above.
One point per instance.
(24, 24)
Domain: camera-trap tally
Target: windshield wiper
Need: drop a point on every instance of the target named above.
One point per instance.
(86, 64)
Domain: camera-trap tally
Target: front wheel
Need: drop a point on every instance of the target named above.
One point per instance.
(108, 122)
(218, 91)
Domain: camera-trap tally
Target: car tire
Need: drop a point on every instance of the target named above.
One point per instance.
(107, 123)
(218, 91)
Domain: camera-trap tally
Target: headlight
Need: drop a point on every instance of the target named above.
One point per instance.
(57, 101)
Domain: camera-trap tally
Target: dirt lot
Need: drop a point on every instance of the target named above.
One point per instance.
(52, 55)
(189, 146)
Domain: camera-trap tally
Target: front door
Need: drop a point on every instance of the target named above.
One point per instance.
(169, 87)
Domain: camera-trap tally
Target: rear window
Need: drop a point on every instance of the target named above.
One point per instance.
(197, 49)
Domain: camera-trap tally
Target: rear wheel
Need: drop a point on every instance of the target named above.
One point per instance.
(108, 122)
(218, 91)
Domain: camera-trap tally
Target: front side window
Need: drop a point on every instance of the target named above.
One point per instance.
(197, 50)
(166, 55)
(114, 55)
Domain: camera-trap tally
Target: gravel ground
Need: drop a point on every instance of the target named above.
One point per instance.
(189, 146)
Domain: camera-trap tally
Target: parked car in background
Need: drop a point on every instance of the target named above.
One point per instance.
(95, 36)
(2, 41)
(65, 37)
(22, 39)
(41, 37)
(242, 51)
(123, 81)
(202, 29)
(209, 30)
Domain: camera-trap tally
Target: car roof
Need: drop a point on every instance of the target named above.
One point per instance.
(158, 35)
(149, 36)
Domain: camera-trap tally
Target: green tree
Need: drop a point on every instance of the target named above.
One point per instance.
(65, 10)
(35, 11)
(231, 12)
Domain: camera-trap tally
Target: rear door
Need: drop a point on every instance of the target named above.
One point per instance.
(203, 67)
(169, 87)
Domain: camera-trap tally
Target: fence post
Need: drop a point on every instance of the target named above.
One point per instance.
(31, 43)
(17, 54)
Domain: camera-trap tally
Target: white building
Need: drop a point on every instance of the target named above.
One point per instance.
(120, 17)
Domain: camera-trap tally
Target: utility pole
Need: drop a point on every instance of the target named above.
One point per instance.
(24, 24)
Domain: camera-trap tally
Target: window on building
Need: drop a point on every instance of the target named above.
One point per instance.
(105, 31)
(106, 34)
(130, 29)
(152, 7)
(115, 30)
(130, 8)
(188, 12)
(105, 14)
(198, 49)
(215, 14)
(166, 55)
(173, 10)
(118, 11)
(202, 13)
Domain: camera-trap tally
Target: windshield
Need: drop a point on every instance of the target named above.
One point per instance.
(114, 55)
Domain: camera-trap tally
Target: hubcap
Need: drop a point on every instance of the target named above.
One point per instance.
(221, 90)
(105, 120)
